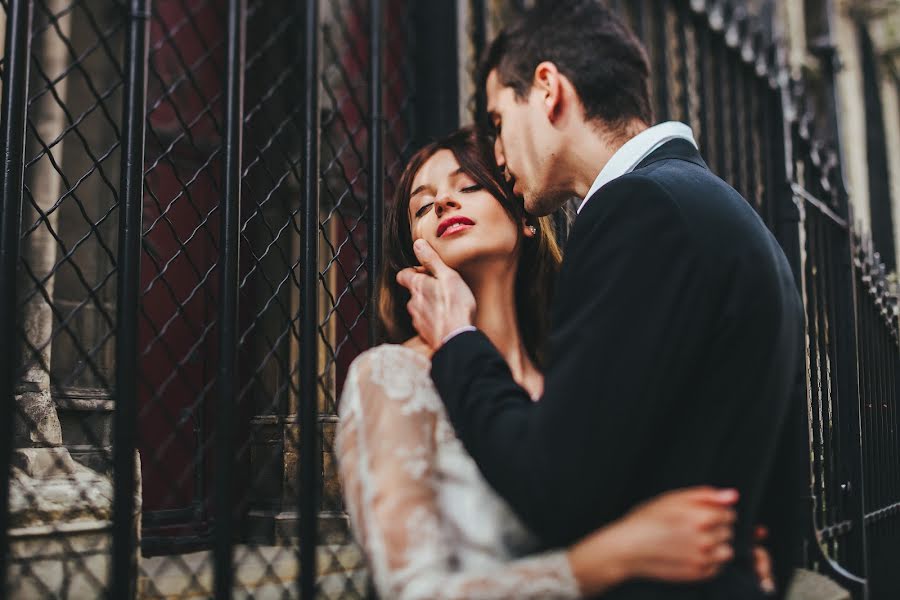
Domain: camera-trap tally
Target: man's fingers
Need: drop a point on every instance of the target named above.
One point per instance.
(411, 278)
(405, 278)
(429, 258)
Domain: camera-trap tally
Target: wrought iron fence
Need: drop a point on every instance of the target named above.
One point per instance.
(181, 301)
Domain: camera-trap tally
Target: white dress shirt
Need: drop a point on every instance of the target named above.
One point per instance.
(637, 149)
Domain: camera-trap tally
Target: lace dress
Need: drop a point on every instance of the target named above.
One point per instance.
(430, 525)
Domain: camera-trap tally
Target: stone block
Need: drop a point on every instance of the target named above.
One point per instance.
(809, 585)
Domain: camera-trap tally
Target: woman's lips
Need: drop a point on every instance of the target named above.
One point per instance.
(454, 225)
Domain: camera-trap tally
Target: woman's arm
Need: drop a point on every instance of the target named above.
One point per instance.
(386, 452)
(679, 536)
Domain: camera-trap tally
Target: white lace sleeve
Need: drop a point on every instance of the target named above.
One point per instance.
(386, 454)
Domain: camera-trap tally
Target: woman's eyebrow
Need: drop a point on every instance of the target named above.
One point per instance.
(418, 190)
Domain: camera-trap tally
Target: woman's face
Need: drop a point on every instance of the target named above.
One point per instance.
(464, 223)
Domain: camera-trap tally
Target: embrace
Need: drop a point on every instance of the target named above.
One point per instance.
(608, 421)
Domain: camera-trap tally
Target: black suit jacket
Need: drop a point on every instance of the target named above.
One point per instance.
(675, 347)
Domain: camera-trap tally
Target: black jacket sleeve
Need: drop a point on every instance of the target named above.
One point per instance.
(622, 335)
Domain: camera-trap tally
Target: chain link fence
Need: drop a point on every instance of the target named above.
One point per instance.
(181, 302)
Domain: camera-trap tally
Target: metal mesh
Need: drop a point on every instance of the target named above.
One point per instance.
(714, 67)
(66, 298)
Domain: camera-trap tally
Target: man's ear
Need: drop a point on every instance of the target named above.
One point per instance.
(548, 83)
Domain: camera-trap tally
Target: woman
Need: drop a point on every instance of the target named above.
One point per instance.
(430, 525)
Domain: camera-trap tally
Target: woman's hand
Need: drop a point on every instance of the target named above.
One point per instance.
(679, 536)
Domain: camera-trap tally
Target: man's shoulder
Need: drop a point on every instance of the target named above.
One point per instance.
(627, 200)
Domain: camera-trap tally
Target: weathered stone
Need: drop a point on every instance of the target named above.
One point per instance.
(36, 422)
(64, 560)
(44, 462)
(60, 540)
(82, 495)
(260, 572)
(808, 585)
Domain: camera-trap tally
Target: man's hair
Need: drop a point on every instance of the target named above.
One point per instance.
(590, 45)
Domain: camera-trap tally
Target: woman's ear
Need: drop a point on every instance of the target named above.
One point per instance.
(528, 230)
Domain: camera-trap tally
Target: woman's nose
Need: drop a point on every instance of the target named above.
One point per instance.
(445, 203)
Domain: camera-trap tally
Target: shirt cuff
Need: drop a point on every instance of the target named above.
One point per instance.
(456, 332)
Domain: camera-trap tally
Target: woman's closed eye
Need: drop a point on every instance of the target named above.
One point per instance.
(423, 209)
(475, 187)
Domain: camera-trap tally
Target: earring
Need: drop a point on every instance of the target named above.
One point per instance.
(533, 229)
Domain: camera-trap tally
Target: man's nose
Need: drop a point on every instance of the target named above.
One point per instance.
(498, 154)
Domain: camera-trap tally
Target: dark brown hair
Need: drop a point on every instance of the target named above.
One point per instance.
(590, 45)
(538, 263)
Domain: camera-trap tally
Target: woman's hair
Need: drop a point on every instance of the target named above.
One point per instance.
(538, 264)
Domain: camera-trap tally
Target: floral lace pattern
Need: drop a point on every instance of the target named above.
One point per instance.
(429, 523)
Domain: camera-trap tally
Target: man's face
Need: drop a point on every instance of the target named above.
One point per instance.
(525, 144)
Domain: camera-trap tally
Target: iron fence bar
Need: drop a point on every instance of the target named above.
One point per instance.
(683, 19)
(701, 35)
(376, 163)
(662, 61)
(307, 419)
(479, 43)
(719, 68)
(134, 121)
(14, 114)
(229, 284)
(736, 107)
(751, 120)
(800, 191)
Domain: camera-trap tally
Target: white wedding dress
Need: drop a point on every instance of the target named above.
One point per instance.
(430, 525)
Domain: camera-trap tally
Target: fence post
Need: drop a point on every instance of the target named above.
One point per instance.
(376, 165)
(307, 418)
(14, 115)
(848, 394)
(437, 102)
(134, 109)
(227, 380)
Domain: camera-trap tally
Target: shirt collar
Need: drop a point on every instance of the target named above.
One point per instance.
(636, 150)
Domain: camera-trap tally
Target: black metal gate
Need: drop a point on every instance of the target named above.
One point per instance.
(172, 281)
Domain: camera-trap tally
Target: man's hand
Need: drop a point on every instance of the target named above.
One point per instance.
(441, 301)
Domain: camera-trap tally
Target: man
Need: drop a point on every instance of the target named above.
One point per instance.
(677, 326)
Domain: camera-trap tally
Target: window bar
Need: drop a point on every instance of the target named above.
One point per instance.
(376, 163)
(14, 114)
(308, 488)
(228, 289)
(134, 113)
